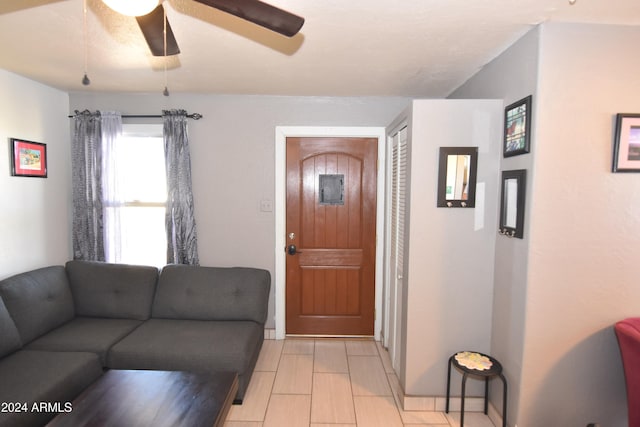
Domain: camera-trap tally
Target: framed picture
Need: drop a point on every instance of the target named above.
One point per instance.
(517, 127)
(28, 158)
(626, 147)
(514, 184)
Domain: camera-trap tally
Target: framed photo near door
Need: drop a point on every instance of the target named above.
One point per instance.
(517, 127)
(28, 158)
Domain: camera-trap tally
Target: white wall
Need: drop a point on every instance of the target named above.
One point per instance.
(555, 323)
(35, 213)
(511, 76)
(449, 280)
(233, 160)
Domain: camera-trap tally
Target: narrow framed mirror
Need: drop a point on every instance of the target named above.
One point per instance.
(457, 177)
(514, 184)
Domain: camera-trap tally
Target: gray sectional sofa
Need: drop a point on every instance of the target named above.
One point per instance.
(62, 326)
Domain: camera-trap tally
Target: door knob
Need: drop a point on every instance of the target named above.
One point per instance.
(291, 249)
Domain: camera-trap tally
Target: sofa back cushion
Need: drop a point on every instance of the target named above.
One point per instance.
(38, 301)
(212, 293)
(112, 290)
(10, 341)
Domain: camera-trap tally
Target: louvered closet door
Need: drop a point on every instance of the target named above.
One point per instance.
(398, 214)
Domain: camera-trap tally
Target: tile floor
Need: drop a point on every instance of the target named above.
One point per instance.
(330, 383)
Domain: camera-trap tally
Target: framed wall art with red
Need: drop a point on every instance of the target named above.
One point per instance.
(28, 158)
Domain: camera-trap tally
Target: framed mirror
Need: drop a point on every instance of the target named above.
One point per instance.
(514, 184)
(457, 177)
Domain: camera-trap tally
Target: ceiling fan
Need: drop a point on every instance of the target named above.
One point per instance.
(152, 19)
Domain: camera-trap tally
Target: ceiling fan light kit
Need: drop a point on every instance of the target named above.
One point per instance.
(132, 7)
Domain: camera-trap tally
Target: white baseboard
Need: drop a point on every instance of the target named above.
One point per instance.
(439, 404)
(269, 334)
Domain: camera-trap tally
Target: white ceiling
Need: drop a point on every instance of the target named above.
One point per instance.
(415, 48)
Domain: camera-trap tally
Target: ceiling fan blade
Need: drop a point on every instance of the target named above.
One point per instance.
(152, 26)
(260, 13)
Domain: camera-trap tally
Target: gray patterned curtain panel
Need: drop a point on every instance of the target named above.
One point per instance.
(93, 138)
(182, 242)
(86, 166)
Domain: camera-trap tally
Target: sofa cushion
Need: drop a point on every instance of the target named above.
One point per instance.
(10, 341)
(38, 301)
(212, 293)
(191, 345)
(112, 290)
(41, 376)
(90, 334)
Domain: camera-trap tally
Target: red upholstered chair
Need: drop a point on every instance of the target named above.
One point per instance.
(628, 333)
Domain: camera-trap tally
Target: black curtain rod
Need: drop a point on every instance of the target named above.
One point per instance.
(194, 116)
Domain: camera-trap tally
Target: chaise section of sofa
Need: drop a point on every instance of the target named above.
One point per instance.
(33, 378)
(204, 319)
(60, 323)
(28, 378)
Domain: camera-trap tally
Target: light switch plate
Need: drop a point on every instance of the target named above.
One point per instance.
(266, 205)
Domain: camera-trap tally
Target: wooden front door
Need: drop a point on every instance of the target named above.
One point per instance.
(331, 235)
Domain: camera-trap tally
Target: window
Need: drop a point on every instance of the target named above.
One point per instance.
(135, 209)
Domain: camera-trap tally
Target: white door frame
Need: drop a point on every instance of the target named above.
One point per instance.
(282, 132)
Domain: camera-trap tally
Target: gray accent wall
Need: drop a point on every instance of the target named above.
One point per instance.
(511, 76)
(559, 292)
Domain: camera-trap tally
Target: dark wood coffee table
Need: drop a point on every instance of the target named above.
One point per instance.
(153, 398)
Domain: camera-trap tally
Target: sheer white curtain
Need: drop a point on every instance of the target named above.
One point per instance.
(112, 184)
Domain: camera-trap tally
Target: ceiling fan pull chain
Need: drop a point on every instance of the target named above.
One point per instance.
(85, 79)
(165, 92)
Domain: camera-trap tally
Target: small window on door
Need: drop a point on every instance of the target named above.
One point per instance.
(332, 189)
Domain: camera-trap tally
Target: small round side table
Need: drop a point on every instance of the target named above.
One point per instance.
(495, 370)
